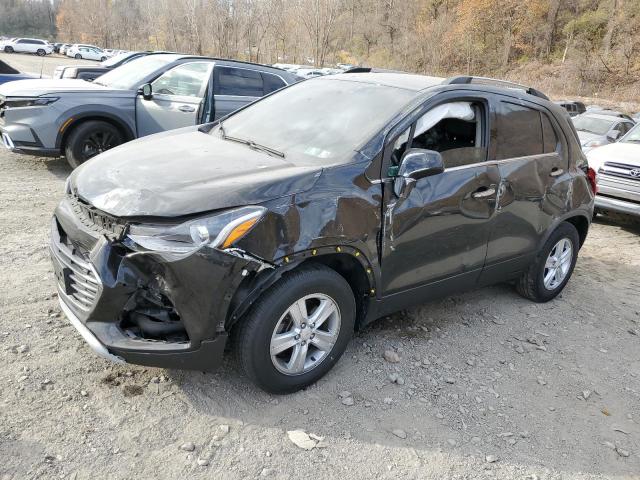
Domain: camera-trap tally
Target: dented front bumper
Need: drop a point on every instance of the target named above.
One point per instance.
(142, 307)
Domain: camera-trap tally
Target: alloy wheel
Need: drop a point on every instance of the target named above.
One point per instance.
(305, 334)
(96, 143)
(558, 264)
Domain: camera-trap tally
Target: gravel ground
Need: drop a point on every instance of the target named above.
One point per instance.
(33, 64)
(488, 385)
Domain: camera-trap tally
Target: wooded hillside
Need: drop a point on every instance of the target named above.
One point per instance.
(574, 46)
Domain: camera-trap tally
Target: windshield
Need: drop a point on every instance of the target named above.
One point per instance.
(633, 136)
(322, 120)
(599, 126)
(130, 76)
(117, 59)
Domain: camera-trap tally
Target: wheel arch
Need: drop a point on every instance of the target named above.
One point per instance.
(69, 126)
(578, 219)
(348, 262)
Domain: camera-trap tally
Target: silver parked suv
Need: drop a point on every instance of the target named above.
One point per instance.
(80, 119)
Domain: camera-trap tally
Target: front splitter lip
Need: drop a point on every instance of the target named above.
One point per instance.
(88, 336)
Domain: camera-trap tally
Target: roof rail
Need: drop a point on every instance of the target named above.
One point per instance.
(465, 80)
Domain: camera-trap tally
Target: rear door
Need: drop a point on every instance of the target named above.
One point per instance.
(177, 97)
(234, 87)
(531, 153)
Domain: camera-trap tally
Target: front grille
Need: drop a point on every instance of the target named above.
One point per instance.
(97, 220)
(76, 278)
(620, 170)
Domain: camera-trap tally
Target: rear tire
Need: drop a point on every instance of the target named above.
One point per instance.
(548, 274)
(90, 139)
(319, 289)
(41, 52)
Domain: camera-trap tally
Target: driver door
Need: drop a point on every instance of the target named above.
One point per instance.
(177, 96)
(435, 240)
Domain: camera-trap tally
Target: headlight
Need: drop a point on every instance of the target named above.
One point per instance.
(220, 230)
(17, 102)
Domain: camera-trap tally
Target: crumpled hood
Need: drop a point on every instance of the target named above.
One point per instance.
(38, 86)
(185, 171)
(620, 152)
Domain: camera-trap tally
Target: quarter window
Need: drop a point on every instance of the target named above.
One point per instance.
(519, 131)
(237, 81)
(272, 83)
(187, 80)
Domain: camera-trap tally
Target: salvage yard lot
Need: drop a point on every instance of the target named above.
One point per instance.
(488, 385)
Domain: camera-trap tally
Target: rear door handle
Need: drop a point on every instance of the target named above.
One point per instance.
(485, 193)
(556, 172)
(186, 108)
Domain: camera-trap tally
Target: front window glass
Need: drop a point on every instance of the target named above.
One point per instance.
(318, 120)
(455, 130)
(186, 80)
(132, 75)
(599, 126)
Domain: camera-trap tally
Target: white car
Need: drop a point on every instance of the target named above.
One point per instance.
(617, 168)
(86, 53)
(73, 49)
(29, 45)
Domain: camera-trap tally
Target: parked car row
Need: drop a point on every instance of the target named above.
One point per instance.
(91, 72)
(150, 94)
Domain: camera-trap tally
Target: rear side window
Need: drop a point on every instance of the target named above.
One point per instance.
(519, 131)
(549, 136)
(237, 81)
(272, 83)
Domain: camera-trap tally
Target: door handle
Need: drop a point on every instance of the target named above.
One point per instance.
(186, 108)
(486, 193)
(556, 172)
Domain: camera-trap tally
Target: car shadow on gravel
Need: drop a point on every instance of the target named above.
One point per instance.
(59, 167)
(627, 223)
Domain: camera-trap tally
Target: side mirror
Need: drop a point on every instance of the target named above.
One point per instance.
(146, 91)
(416, 163)
(613, 135)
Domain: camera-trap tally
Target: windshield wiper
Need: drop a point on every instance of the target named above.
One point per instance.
(250, 143)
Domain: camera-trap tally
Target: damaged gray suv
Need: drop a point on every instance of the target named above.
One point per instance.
(372, 193)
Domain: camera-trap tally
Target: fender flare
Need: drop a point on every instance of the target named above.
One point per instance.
(557, 221)
(67, 125)
(262, 281)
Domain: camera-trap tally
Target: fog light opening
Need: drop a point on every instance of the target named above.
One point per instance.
(150, 315)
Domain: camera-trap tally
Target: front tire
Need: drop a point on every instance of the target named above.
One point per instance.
(8, 49)
(90, 139)
(78, 56)
(41, 52)
(548, 274)
(297, 330)
(103, 59)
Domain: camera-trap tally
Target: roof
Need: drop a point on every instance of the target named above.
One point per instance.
(603, 116)
(406, 81)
